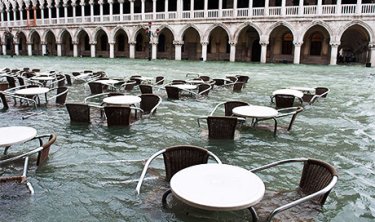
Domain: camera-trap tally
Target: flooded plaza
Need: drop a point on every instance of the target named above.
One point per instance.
(91, 176)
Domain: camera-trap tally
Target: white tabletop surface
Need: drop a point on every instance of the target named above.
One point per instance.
(43, 78)
(303, 89)
(217, 187)
(255, 111)
(122, 100)
(185, 86)
(32, 91)
(292, 92)
(15, 134)
(194, 81)
(107, 81)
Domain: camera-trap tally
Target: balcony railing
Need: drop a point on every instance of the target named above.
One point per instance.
(297, 11)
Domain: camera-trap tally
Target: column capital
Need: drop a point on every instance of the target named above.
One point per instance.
(75, 42)
(204, 43)
(132, 42)
(178, 42)
(232, 43)
(111, 42)
(65, 5)
(264, 42)
(91, 2)
(298, 44)
(101, 2)
(58, 42)
(334, 43)
(121, 1)
(93, 43)
(43, 43)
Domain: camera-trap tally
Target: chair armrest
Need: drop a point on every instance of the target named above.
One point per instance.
(217, 106)
(201, 118)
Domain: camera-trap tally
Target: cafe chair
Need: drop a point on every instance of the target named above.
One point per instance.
(78, 112)
(4, 101)
(68, 79)
(284, 101)
(178, 82)
(128, 85)
(9, 184)
(228, 107)
(238, 86)
(172, 92)
(220, 127)
(205, 78)
(149, 103)
(316, 181)
(61, 94)
(145, 88)
(204, 89)
(320, 92)
(177, 158)
(95, 87)
(243, 78)
(136, 79)
(120, 115)
(159, 80)
(11, 81)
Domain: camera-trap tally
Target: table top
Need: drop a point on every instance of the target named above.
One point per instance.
(32, 91)
(16, 134)
(185, 86)
(303, 89)
(217, 187)
(107, 81)
(255, 111)
(122, 100)
(194, 81)
(43, 78)
(144, 78)
(292, 92)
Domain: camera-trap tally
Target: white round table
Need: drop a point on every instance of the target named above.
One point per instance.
(43, 78)
(217, 187)
(122, 100)
(304, 89)
(255, 111)
(195, 81)
(292, 92)
(185, 86)
(107, 81)
(32, 91)
(16, 134)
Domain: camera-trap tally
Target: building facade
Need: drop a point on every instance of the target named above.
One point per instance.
(288, 31)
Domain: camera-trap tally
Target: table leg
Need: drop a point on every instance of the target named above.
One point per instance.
(6, 150)
(164, 198)
(253, 214)
(275, 129)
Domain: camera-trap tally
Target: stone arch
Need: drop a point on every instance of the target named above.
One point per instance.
(165, 26)
(277, 24)
(135, 33)
(186, 27)
(60, 34)
(364, 25)
(45, 34)
(218, 39)
(78, 31)
(191, 39)
(247, 38)
(95, 32)
(111, 37)
(32, 31)
(212, 27)
(165, 47)
(243, 26)
(281, 49)
(316, 23)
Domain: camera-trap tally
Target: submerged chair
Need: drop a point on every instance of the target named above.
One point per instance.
(149, 103)
(320, 92)
(228, 107)
(204, 89)
(4, 101)
(119, 115)
(172, 92)
(78, 112)
(145, 88)
(317, 180)
(11, 182)
(95, 87)
(159, 80)
(220, 127)
(61, 94)
(238, 86)
(177, 158)
(283, 101)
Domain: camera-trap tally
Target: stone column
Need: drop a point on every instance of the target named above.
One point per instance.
(110, 2)
(319, 7)
(14, 14)
(372, 54)
(16, 49)
(111, 50)
(235, 8)
(131, 9)
(177, 49)
(154, 9)
(166, 6)
(300, 8)
(4, 48)
(21, 16)
(29, 48)
(58, 48)
(338, 7)
(143, 9)
(191, 8)
(92, 49)
(42, 14)
(358, 7)
(82, 4)
(57, 13)
(221, 8)
(75, 49)
(74, 11)
(2, 18)
(266, 7)
(92, 10)
(50, 14)
(154, 50)
(263, 53)
(132, 50)
(334, 51)
(8, 17)
(65, 12)
(205, 10)
(204, 49)
(250, 7)
(44, 48)
(297, 52)
(121, 10)
(283, 7)
(232, 55)
(101, 10)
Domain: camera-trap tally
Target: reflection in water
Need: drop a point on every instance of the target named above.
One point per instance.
(81, 181)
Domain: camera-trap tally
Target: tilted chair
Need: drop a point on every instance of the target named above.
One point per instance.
(149, 103)
(11, 81)
(284, 101)
(317, 180)
(129, 85)
(177, 158)
(17, 180)
(95, 87)
(78, 112)
(238, 86)
(68, 79)
(205, 78)
(320, 92)
(119, 115)
(145, 88)
(220, 127)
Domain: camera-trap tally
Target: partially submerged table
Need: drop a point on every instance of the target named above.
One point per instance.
(122, 100)
(34, 91)
(14, 135)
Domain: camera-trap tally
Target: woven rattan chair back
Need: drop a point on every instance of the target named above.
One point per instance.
(221, 127)
(178, 81)
(4, 101)
(321, 90)
(172, 92)
(95, 87)
(145, 88)
(284, 101)
(177, 158)
(202, 89)
(43, 154)
(117, 115)
(11, 81)
(230, 105)
(204, 78)
(242, 78)
(148, 102)
(237, 87)
(130, 85)
(316, 175)
(219, 82)
(78, 112)
(68, 79)
(60, 80)
(61, 98)
(159, 80)
(21, 81)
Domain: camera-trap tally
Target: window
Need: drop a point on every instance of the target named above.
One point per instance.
(287, 44)
(316, 44)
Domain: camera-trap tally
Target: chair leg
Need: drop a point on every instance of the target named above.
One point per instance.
(6, 150)
(292, 121)
(253, 214)
(164, 198)
(275, 129)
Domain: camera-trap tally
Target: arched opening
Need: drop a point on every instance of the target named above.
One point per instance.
(165, 44)
(280, 47)
(354, 45)
(22, 46)
(102, 46)
(51, 44)
(316, 44)
(218, 48)
(36, 46)
(121, 44)
(83, 44)
(66, 44)
(315, 48)
(192, 48)
(142, 45)
(248, 48)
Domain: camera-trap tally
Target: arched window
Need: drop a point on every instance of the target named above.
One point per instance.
(287, 44)
(138, 45)
(316, 44)
(161, 44)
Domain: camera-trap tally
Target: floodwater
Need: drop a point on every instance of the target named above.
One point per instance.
(89, 174)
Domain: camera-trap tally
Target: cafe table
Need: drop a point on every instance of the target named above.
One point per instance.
(305, 90)
(107, 81)
(33, 91)
(12, 135)
(122, 100)
(185, 86)
(257, 112)
(217, 187)
(292, 92)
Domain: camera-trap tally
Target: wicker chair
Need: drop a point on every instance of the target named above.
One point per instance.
(145, 89)
(204, 89)
(237, 86)
(178, 81)
(11, 81)
(61, 94)
(119, 115)
(129, 85)
(78, 112)
(11, 181)
(68, 79)
(149, 103)
(220, 127)
(177, 158)
(317, 180)
(284, 101)
(172, 92)
(95, 87)
(320, 92)
(159, 80)
(4, 101)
